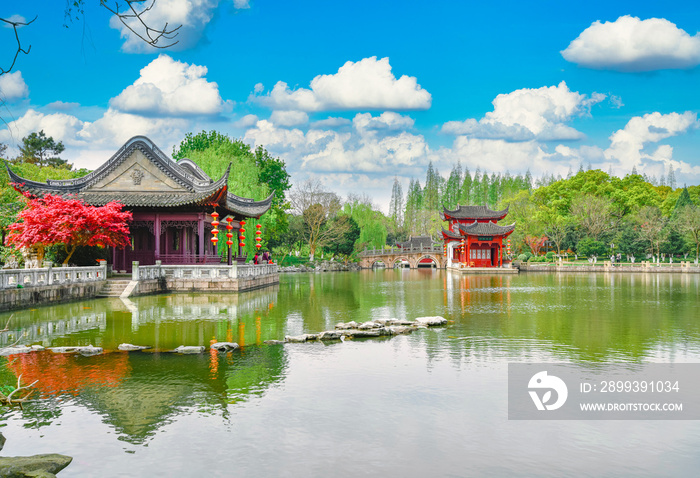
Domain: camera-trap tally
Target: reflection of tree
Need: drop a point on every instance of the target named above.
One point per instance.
(138, 393)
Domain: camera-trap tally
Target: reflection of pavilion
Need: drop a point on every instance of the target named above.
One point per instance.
(42, 326)
(138, 393)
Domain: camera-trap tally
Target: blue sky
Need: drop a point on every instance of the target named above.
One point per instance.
(356, 93)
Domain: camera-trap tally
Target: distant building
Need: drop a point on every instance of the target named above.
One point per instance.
(171, 202)
(474, 237)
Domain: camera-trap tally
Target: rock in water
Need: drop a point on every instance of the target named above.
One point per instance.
(37, 465)
(274, 342)
(430, 321)
(330, 335)
(89, 351)
(189, 349)
(300, 338)
(224, 346)
(132, 348)
(15, 350)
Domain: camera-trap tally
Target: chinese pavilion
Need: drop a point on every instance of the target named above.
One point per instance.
(474, 238)
(171, 202)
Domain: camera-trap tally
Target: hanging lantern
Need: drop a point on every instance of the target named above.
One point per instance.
(229, 242)
(258, 246)
(215, 223)
(242, 223)
(242, 244)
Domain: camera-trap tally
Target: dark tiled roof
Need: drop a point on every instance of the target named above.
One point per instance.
(474, 212)
(485, 229)
(416, 242)
(199, 188)
(451, 235)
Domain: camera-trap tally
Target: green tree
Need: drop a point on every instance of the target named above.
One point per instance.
(652, 227)
(687, 222)
(43, 151)
(345, 244)
(589, 247)
(254, 174)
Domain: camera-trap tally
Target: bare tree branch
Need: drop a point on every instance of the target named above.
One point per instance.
(19, 43)
(149, 35)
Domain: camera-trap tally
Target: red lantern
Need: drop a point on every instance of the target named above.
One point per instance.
(242, 223)
(258, 226)
(242, 244)
(258, 239)
(214, 240)
(258, 246)
(229, 243)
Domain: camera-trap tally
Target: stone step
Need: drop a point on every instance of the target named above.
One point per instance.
(113, 288)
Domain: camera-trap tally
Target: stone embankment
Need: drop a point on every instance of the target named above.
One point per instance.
(322, 266)
(374, 328)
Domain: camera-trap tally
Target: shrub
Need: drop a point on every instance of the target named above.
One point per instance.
(550, 256)
(522, 257)
(589, 247)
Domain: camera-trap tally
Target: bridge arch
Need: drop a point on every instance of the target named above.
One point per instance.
(435, 261)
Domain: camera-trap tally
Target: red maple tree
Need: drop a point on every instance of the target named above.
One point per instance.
(54, 220)
(535, 243)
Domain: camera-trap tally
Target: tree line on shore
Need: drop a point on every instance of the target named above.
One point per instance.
(590, 212)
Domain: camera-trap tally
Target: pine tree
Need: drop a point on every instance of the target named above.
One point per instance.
(431, 192)
(671, 177)
(396, 205)
(466, 189)
(476, 188)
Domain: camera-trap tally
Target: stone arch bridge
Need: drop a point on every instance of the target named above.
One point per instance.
(395, 256)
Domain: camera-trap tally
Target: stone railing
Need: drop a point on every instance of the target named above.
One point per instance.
(434, 249)
(201, 271)
(45, 276)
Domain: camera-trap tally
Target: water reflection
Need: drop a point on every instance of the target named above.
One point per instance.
(493, 320)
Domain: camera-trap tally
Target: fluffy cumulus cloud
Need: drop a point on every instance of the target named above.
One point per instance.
(13, 87)
(374, 145)
(529, 113)
(170, 88)
(60, 126)
(366, 84)
(86, 141)
(627, 146)
(192, 17)
(631, 45)
(289, 118)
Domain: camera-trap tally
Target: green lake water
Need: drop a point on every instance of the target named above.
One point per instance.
(433, 403)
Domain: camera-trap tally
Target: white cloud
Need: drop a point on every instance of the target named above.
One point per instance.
(289, 118)
(386, 121)
(60, 126)
(169, 87)
(63, 106)
(331, 122)
(627, 145)
(13, 87)
(366, 84)
(246, 122)
(193, 15)
(365, 149)
(631, 45)
(15, 19)
(109, 132)
(529, 113)
(115, 128)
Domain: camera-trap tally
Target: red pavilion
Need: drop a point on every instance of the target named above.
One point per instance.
(474, 238)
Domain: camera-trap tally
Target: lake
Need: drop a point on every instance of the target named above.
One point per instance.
(433, 403)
